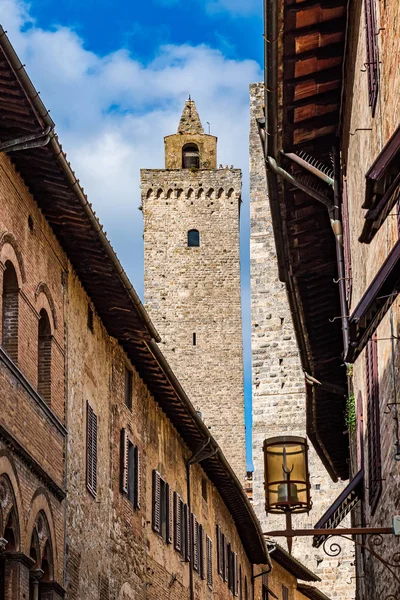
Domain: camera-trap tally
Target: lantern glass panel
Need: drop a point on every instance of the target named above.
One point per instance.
(286, 475)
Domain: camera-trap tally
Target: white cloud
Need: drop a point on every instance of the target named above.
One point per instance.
(111, 113)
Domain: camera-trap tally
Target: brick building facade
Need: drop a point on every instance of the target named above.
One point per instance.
(332, 147)
(111, 485)
(191, 213)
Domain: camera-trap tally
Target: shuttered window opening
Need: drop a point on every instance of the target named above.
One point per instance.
(235, 574)
(372, 53)
(201, 552)
(220, 552)
(209, 562)
(373, 423)
(162, 514)
(178, 522)
(130, 469)
(91, 450)
(226, 558)
(188, 533)
(230, 567)
(285, 593)
(195, 544)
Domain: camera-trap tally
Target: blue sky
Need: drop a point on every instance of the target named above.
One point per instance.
(115, 75)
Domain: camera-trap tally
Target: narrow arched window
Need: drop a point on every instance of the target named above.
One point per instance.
(10, 311)
(193, 238)
(44, 356)
(190, 156)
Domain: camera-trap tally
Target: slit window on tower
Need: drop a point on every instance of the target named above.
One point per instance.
(193, 238)
(194, 339)
(190, 156)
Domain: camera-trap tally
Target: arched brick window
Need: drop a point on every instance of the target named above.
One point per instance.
(42, 571)
(10, 311)
(190, 156)
(193, 238)
(44, 356)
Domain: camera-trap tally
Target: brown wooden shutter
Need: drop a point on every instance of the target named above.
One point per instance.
(346, 242)
(285, 593)
(91, 449)
(235, 574)
(170, 513)
(156, 501)
(195, 544)
(201, 552)
(226, 558)
(177, 522)
(187, 533)
(138, 478)
(220, 553)
(373, 424)
(124, 444)
(372, 53)
(209, 562)
(360, 432)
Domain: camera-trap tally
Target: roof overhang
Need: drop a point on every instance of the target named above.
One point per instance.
(341, 507)
(291, 564)
(374, 304)
(303, 102)
(58, 193)
(382, 189)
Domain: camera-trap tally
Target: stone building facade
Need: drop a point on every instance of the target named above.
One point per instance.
(278, 385)
(111, 485)
(192, 285)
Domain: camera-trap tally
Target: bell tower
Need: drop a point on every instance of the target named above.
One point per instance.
(192, 277)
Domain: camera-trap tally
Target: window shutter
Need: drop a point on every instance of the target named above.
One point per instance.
(138, 478)
(346, 241)
(178, 522)
(373, 424)
(285, 593)
(187, 533)
(123, 455)
(91, 449)
(195, 546)
(235, 574)
(156, 501)
(219, 551)
(372, 53)
(209, 562)
(201, 551)
(230, 568)
(170, 514)
(226, 559)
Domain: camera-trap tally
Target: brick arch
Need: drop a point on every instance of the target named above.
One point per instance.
(9, 471)
(45, 300)
(40, 504)
(9, 250)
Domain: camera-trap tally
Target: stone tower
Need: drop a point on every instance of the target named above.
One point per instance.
(278, 387)
(192, 277)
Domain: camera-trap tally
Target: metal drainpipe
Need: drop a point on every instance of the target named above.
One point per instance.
(338, 231)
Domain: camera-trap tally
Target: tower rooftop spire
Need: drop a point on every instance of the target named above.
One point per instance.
(190, 120)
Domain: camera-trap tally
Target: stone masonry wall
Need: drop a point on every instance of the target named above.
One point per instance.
(359, 150)
(278, 380)
(196, 290)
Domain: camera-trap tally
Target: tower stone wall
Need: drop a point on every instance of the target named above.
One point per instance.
(193, 292)
(278, 380)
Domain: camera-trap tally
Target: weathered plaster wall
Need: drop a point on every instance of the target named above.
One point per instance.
(278, 380)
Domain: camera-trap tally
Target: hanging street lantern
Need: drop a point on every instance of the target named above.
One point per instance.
(287, 480)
